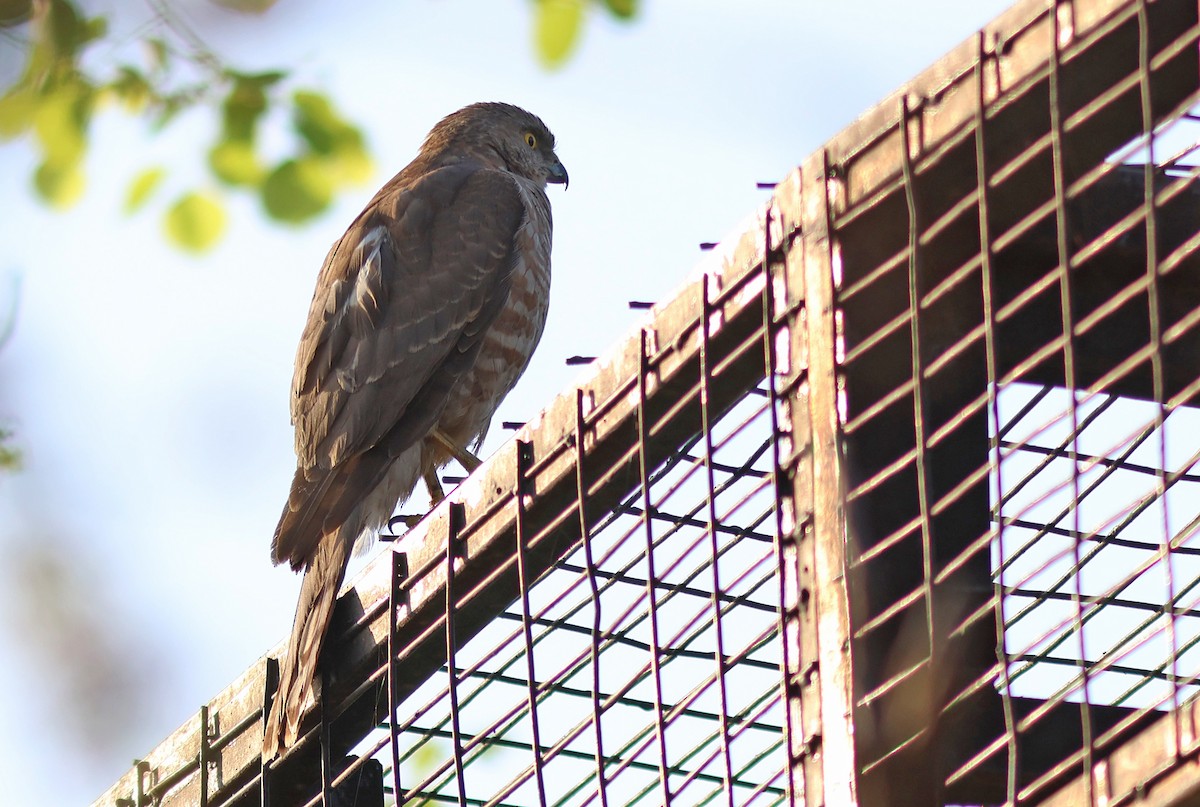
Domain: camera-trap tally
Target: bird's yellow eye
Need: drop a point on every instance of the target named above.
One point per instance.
(530, 140)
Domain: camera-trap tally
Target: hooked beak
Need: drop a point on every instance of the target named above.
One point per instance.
(558, 175)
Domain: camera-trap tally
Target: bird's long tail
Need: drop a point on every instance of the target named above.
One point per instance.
(318, 592)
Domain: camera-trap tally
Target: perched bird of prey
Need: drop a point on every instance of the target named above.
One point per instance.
(426, 313)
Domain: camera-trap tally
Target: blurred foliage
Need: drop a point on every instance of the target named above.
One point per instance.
(59, 91)
(558, 24)
(66, 79)
(10, 456)
(195, 221)
(98, 680)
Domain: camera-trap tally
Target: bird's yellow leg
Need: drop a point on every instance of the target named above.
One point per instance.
(434, 485)
(465, 458)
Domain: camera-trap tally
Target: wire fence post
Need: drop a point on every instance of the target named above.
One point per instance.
(823, 681)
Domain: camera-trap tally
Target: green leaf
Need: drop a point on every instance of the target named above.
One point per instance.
(158, 54)
(60, 184)
(261, 80)
(142, 187)
(10, 455)
(63, 28)
(247, 6)
(60, 121)
(243, 107)
(328, 133)
(66, 31)
(316, 121)
(195, 222)
(557, 24)
(132, 88)
(351, 166)
(16, 112)
(297, 190)
(622, 9)
(235, 163)
(168, 108)
(95, 28)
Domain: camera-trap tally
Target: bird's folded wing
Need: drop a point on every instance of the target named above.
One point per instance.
(401, 305)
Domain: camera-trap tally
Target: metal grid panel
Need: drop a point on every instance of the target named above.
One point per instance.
(1085, 507)
(1020, 294)
(897, 508)
(621, 639)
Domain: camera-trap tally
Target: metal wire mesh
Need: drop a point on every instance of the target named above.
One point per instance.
(1120, 496)
(1025, 553)
(901, 506)
(653, 648)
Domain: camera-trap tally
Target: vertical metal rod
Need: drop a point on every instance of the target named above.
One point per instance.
(714, 544)
(651, 577)
(399, 573)
(995, 469)
(590, 563)
(1070, 380)
(778, 475)
(270, 688)
(202, 757)
(327, 773)
(799, 585)
(920, 411)
(1158, 381)
(458, 517)
(524, 462)
(145, 783)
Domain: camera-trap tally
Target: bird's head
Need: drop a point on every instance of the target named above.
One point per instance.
(516, 138)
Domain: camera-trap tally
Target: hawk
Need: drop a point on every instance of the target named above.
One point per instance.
(426, 312)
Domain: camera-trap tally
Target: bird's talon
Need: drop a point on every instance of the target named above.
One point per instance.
(408, 521)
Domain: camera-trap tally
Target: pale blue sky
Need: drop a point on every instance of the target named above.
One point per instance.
(150, 389)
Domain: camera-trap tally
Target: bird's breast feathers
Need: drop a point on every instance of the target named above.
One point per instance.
(508, 345)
